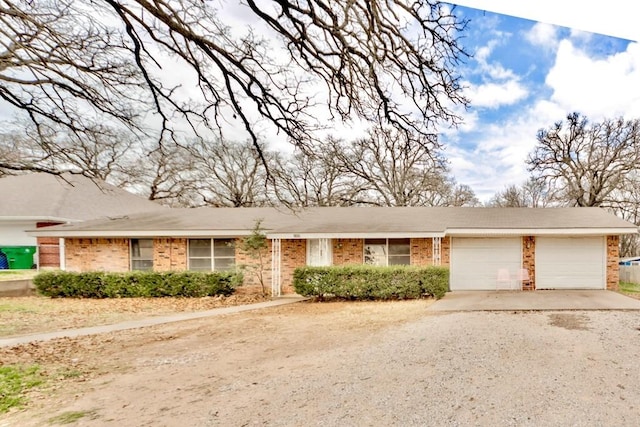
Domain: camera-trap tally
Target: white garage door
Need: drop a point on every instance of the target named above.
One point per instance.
(475, 262)
(570, 263)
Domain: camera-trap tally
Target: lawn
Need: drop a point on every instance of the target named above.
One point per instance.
(630, 289)
(6, 275)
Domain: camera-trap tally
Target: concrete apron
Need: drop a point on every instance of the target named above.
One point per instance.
(534, 300)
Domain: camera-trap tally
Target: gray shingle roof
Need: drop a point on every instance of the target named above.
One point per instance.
(344, 220)
(72, 197)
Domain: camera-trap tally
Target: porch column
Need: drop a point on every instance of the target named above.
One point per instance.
(437, 251)
(276, 285)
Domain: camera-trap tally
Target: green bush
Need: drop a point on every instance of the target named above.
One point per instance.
(62, 284)
(363, 282)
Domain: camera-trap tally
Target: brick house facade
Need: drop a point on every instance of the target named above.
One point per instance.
(171, 254)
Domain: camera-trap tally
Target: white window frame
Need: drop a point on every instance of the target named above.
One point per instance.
(212, 256)
(324, 244)
(386, 250)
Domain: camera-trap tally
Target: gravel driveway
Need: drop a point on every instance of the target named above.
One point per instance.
(376, 366)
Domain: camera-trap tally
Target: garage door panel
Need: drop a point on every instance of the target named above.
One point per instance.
(475, 261)
(570, 263)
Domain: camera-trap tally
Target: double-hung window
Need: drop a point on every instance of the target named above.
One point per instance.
(212, 254)
(141, 254)
(387, 251)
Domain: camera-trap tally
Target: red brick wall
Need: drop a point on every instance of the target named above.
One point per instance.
(169, 254)
(251, 267)
(445, 251)
(422, 251)
(48, 248)
(529, 261)
(294, 255)
(613, 258)
(348, 251)
(97, 254)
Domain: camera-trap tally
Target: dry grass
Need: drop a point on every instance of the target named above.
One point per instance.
(35, 314)
(6, 275)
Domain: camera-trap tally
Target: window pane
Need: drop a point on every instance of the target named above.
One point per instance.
(223, 264)
(200, 248)
(399, 247)
(375, 254)
(142, 264)
(200, 264)
(224, 248)
(141, 254)
(399, 260)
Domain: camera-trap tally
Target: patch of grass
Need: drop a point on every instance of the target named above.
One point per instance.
(17, 274)
(71, 417)
(14, 382)
(630, 288)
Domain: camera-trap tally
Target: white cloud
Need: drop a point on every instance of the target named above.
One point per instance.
(604, 87)
(541, 34)
(493, 95)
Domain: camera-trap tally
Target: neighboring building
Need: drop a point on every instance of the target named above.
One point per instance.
(485, 248)
(41, 200)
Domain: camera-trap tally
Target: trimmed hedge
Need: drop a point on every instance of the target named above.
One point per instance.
(63, 284)
(363, 282)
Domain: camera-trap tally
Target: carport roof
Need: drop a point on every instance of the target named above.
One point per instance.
(350, 222)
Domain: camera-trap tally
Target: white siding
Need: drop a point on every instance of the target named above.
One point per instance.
(12, 233)
(475, 262)
(570, 263)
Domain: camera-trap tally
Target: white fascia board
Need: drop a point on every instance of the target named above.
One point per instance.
(369, 235)
(38, 219)
(43, 232)
(470, 232)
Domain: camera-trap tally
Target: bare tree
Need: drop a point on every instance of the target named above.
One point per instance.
(531, 194)
(313, 178)
(61, 67)
(166, 177)
(582, 163)
(228, 173)
(391, 170)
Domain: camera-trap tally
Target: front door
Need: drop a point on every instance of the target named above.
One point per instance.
(319, 252)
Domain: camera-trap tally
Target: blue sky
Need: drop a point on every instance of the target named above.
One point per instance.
(526, 75)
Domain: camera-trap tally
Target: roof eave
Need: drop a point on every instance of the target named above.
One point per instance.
(582, 231)
(43, 232)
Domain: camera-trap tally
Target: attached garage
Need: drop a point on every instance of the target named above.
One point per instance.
(476, 261)
(570, 262)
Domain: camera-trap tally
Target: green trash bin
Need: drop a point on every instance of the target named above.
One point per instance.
(20, 257)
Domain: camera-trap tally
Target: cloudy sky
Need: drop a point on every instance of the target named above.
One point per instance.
(526, 75)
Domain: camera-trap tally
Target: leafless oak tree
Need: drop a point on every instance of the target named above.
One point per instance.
(390, 169)
(584, 163)
(228, 173)
(62, 67)
(531, 194)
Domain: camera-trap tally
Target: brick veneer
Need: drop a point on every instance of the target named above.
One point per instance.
(445, 251)
(48, 248)
(294, 255)
(169, 254)
(529, 261)
(613, 258)
(97, 254)
(422, 251)
(252, 269)
(348, 251)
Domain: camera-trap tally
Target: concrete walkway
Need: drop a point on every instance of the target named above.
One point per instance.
(534, 300)
(133, 324)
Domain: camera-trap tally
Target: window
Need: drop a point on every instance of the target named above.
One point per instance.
(387, 251)
(211, 254)
(141, 254)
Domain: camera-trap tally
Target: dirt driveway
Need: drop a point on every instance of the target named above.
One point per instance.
(352, 364)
